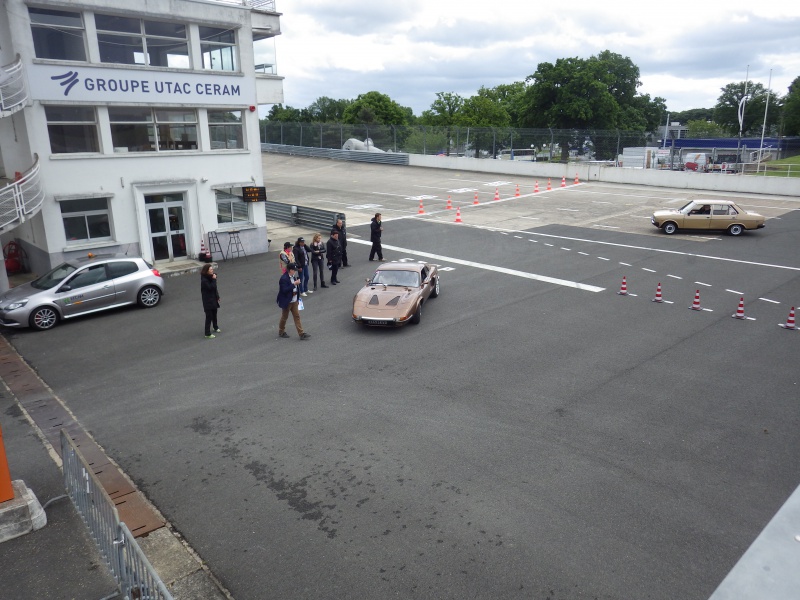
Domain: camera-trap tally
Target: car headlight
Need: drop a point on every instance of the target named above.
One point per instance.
(16, 305)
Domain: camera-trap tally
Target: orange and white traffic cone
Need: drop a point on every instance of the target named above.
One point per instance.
(564, 182)
(577, 181)
(475, 201)
(549, 187)
(536, 187)
(658, 297)
(458, 215)
(623, 289)
(496, 194)
(696, 304)
(421, 210)
(790, 321)
(6, 488)
(449, 204)
(740, 311)
(203, 251)
(516, 194)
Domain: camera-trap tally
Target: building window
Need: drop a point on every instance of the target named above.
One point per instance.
(57, 34)
(218, 47)
(72, 129)
(225, 129)
(135, 129)
(231, 209)
(128, 41)
(86, 219)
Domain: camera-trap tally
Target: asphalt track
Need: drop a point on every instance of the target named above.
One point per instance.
(538, 435)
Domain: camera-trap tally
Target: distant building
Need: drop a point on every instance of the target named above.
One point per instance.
(132, 127)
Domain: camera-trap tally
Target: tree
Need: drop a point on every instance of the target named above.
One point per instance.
(726, 112)
(693, 114)
(510, 96)
(374, 107)
(444, 110)
(791, 109)
(705, 129)
(288, 114)
(327, 110)
(479, 111)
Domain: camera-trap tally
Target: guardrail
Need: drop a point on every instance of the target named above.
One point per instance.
(13, 93)
(22, 198)
(304, 216)
(384, 158)
(130, 568)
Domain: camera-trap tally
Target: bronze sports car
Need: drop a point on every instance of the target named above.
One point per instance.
(707, 215)
(395, 294)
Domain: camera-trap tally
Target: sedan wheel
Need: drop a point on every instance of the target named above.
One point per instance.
(415, 318)
(735, 229)
(43, 318)
(670, 228)
(435, 291)
(149, 296)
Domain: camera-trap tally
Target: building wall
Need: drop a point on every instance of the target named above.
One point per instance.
(124, 177)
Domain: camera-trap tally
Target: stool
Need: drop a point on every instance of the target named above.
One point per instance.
(235, 248)
(214, 245)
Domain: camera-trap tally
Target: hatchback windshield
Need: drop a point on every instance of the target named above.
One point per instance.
(54, 277)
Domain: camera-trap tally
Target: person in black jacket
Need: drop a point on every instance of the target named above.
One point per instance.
(375, 229)
(342, 241)
(317, 259)
(334, 251)
(208, 291)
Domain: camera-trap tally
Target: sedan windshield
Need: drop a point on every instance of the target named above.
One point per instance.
(54, 277)
(401, 278)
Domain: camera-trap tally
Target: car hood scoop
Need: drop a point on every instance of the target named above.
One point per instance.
(376, 300)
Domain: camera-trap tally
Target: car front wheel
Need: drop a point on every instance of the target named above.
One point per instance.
(149, 296)
(735, 229)
(417, 316)
(670, 228)
(43, 318)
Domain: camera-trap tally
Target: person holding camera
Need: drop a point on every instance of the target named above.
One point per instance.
(289, 302)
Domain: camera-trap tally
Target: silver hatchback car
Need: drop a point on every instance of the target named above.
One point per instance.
(81, 286)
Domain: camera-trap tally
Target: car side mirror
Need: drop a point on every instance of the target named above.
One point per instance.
(64, 288)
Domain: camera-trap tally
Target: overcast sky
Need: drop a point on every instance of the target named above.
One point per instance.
(411, 49)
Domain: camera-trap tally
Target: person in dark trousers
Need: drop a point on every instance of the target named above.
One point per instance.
(288, 301)
(317, 259)
(302, 259)
(208, 291)
(342, 241)
(334, 252)
(375, 229)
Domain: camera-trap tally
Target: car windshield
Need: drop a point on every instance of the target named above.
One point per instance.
(685, 208)
(54, 277)
(401, 278)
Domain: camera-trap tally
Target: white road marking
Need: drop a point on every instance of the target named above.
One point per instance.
(735, 292)
(601, 202)
(494, 268)
(519, 237)
(533, 218)
(570, 209)
(648, 270)
(674, 276)
(622, 263)
(562, 247)
(668, 302)
(701, 283)
(584, 253)
(605, 226)
(546, 244)
(768, 300)
(603, 258)
(534, 241)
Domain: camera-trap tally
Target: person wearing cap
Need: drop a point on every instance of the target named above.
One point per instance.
(288, 301)
(334, 252)
(286, 256)
(301, 259)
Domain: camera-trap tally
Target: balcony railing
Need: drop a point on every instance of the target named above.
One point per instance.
(13, 93)
(265, 5)
(21, 199)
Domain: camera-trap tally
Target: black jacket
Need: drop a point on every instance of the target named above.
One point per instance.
(301, 256)
(317, 252)
(208, 290)
(342, 235)
(334, 249)
(375, 230)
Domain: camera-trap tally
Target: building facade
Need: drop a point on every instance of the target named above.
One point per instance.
(132, 128)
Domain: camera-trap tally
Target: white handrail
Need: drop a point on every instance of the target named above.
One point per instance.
(21, 198)
(13, 93)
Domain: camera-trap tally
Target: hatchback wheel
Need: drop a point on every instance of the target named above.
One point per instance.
(670, 228)
(735, 229)
(43, 318)
(149, 296)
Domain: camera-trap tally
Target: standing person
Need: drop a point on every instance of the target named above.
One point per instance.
(317, 258)
(342, 241)
(375, 229)
(301, 259)
(334, 251)
(208, 291)
(288, 301)
(286, 256)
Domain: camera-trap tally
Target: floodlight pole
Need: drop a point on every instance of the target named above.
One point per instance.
(764, 125)
(742, 104)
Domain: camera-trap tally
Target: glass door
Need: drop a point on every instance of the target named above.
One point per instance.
(167, 227)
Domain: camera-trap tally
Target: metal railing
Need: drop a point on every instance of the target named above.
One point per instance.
(130, 568)
(21, 198)
(386, 158)
(13, 93)
(304, 216)
(265, 5)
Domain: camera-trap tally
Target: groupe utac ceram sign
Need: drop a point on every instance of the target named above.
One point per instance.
(54, 83)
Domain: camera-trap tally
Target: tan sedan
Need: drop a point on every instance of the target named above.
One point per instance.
(707, 215)
(395, 294)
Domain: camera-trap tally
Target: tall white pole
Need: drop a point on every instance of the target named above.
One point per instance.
(764, 125)
(742, 104)
(666, 131)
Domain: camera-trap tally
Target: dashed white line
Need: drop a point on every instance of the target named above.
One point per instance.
(570, 209)
(584, 253)
(519, 237)
(534, 241)
(625, 264)
(674, 276)
(546, 244)
(705, 284)
(603, 258)
(768, 300)
(567, 249)
(605, 226)
(735, 292)
(648, 270)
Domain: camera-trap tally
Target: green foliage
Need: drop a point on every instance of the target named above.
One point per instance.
(288, 114)
(693, 114)
(327, 110)
(443, 110)
(726, 112)
(706, 129)
(791, 109)
(426, 140)
(374, 107)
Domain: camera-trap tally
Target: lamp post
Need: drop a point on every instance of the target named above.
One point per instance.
(742, 104)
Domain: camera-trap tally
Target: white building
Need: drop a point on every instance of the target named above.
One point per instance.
(132, 127)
